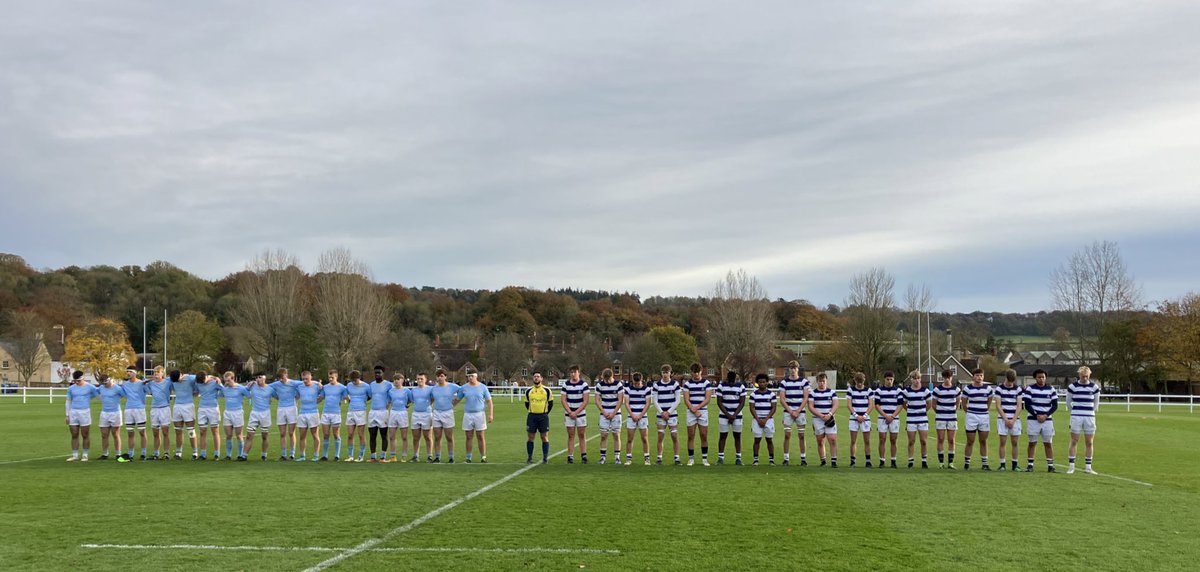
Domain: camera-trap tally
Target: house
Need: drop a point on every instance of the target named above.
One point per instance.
(1058, 375)
(9, 352)
(456, 362)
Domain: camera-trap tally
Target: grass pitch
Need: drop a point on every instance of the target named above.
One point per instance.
(1142, 513)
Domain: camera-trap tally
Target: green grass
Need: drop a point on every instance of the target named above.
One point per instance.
(656, 518)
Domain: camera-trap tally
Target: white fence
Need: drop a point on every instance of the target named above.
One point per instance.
(514, 393)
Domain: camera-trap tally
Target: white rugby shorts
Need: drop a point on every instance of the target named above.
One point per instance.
(398, 419)
(612, 426)
(356, 418)
(160, 417)
(331, 419)
(474, 421)
(663, 425)
(1040, 430)
(723, 424)
(1003, 430)
(286, 415)
(185, 413)
(259, 420)
(233, 418)
(422, 420)
(701, 420)
(863, 427)
(443, 419)
(208, 417)
(110, 419)
(308, 420)
(799, 421)
(79, 417)
(642, 423)
(1085, 425)
(760, 432)
(884, 427)
(135, 416)
(946, 425)
(377, 418)
(578, 421)
(978, 422)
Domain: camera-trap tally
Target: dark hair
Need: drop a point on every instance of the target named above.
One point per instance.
(731, 376)
(977, 371)
(1041, 371)
(761, 377)
(174, 375)
(536, 372)
(1010, 375)
(637, 376)
(305, 372)
(889, 373)
(860, 377)
(573, 368)
(821, 376)
(666, 367)
(102, 378)
(355, 375)
(379, 368)
(76, 374)
(202, 375)
(947, 374)
(281, 372)
(696, 368)
(607, 373)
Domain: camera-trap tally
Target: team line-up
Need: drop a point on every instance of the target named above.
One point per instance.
(382, 408)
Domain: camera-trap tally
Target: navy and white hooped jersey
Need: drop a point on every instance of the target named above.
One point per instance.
(666, 396)
(731, 395)
(887, 399)
(1041, 400)
(1083, 398)
(609, 395)
(793, 391)
(945, 402)
(860, 400)
(761, 401)
(823, 400)
(917, 404)
(696, 390)
(638, 398)
(575, 393)
(1009, 396)
(978, 398)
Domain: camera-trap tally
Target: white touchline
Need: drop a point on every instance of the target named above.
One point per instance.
(1137, 482)
(333, 549)
(63, 456)
(372, 543)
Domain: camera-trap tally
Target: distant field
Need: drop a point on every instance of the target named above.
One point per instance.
(1021, 339)
(1140, 514)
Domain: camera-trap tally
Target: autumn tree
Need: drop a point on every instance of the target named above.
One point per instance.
(644, 353)
(506, 352)
(1092, 286)
(352, 313)
(270, 305)
(871, 320)
(1175, 331)
(590, 354)
(101, 346)
(193, 341)
(680, 348)
(743, 328)
(26, 330)
(406, 351)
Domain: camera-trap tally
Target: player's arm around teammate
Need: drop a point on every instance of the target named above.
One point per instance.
(79, 414)
(823, 404)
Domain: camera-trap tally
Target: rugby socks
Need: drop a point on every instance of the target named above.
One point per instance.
(545, 451)
(529, 449)
(950, 457)
(337, 448)
(1087, 463)
(1029, 464)
(941, 457)
(787, 457)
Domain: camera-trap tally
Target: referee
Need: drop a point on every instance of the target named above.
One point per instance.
(539, 402)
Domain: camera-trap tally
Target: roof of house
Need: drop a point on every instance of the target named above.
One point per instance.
(454, 359)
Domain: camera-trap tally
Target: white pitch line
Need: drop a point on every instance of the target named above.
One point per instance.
(373, 542)
(1134, 481)
(64, 456)
(332, 549)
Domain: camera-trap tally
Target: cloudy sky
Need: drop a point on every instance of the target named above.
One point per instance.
(633, 146)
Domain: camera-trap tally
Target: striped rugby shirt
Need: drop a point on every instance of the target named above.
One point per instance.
(1083, 397)
(887, 399)
(575, 392)
(823, 400)
(666, 396)
(793, 391)
(978, 398)
(730, 396)
(1009, 397)
(1040, 400)
(638, 398)
(945, 402)
(860, 401)
(609, 395)
(696, 390)
(761, 401)
(917, 404)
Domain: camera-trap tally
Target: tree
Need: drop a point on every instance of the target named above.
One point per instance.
(1129, 363)
(680, 347)
(871, 320)
(27, 329)
(270, 304)
(303, 351)
(1093, 286)
(102, 347)
(352, 313)
(590, 354)
(644, 353)
(506, 352)
(408, 352)
(1175, 331)
(743, 328)
(505, 312)
(193, 341)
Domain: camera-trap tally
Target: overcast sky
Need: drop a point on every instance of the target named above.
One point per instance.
(635, 146)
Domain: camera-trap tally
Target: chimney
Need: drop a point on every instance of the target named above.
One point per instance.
(949, 343)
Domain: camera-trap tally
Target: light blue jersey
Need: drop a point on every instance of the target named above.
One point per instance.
(285, 392)
(422, 399)
(160, 393)
(379, 395)
(135, 394)
(399, 397)
(358, 394)
(110, 398)
(475, 397)
(209, 390)
(260, 397)
(184, 390)
(309, 395)
(80, 396)
(335, 393)
(443, 397)
(234, 397)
